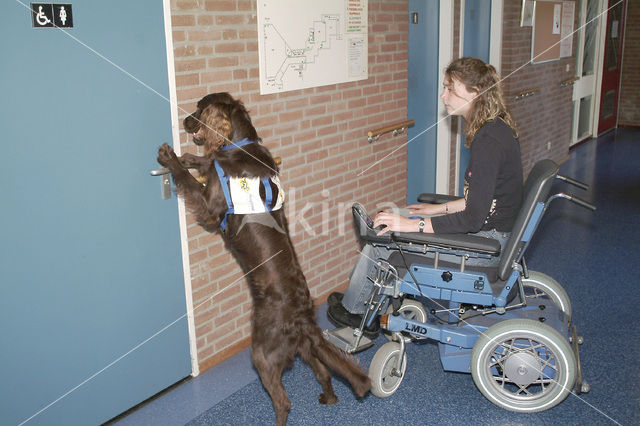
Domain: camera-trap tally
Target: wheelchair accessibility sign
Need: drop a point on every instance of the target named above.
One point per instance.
(51, 15)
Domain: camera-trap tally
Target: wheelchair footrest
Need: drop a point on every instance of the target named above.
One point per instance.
(346, 339)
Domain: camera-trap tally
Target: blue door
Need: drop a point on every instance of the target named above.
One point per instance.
(423, 98)
(92, 299)
(477, 37)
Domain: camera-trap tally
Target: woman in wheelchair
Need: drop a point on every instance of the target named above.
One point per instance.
(492, 191)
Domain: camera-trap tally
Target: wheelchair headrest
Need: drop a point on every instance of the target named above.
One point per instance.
(536, 190)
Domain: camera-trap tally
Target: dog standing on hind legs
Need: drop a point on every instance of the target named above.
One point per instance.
(243, 200)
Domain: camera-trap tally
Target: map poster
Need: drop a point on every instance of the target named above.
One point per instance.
(307, 43)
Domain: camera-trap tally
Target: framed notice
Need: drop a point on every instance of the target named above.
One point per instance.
(309, 43)
(552, 35)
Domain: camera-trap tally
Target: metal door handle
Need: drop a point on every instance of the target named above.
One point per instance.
(165, 182)
(159, 172)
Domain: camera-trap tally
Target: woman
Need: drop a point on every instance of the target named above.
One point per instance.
(492, 191)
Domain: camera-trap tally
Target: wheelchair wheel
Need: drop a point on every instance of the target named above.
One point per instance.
(539, 287)
(523, 365)
(385, 379)
(410, 309)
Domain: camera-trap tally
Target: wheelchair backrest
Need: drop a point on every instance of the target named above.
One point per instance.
(536, 190)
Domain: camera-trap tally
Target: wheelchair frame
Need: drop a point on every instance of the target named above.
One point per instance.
(523, 356)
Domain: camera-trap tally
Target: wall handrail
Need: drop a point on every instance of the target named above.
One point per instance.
(526, 93)
(569, 81)
(397, 128)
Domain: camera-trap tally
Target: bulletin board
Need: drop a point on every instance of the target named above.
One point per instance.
(552, 34)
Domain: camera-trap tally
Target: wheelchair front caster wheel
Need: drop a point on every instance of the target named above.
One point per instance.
(523, 365)
(385, 372)
(410, 309)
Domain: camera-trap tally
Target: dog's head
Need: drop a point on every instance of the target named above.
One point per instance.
(218, 120)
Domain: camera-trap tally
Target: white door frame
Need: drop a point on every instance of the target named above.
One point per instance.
(591, 84)
(182, 214)
(443, 129)
(445, 56)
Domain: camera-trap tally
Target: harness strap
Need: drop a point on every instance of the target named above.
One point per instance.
(224, 183)
(268, 194)
(238, 144)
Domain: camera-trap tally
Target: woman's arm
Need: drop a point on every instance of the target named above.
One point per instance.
(397, 223)
(434, 209)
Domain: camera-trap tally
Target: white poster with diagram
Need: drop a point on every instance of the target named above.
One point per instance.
(307, 43)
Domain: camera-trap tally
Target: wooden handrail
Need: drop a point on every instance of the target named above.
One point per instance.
(526, 93)
(569, 81)
(395, 128)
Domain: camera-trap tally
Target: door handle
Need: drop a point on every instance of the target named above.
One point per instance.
(159, 172)
(165, 181)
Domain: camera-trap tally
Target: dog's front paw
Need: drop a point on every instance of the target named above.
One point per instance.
(166, 155)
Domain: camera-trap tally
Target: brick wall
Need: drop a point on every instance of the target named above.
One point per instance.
(543, 120)
(319, 133)
(629, 104)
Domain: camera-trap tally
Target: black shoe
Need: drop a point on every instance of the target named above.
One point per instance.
(340, 317)
(334, 298)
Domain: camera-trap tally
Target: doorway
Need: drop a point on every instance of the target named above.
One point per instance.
(481, 30)
(422, 96)
(587, 60)
(609, 91)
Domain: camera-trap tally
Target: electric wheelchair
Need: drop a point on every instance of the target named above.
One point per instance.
(508, 326)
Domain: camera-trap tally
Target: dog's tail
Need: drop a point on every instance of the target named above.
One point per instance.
(338, 361)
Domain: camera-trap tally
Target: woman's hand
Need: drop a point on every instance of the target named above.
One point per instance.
(395, 222)
(426, 209)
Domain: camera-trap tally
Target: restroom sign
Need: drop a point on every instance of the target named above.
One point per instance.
(51, 15)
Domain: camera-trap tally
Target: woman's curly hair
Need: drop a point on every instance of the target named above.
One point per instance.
(489, 103)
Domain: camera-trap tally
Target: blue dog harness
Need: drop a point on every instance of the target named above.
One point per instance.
(246, 190)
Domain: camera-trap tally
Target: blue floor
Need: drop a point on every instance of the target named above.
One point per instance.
(592, 254)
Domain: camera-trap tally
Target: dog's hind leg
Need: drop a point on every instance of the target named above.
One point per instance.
(331, 357)
(323, 375)
(271, 376)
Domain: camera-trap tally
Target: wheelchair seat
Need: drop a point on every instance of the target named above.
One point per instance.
(423, 245)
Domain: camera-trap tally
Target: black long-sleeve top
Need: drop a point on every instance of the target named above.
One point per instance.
(493, 184)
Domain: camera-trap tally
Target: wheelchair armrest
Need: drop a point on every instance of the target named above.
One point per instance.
(436, 198)
(459, 242)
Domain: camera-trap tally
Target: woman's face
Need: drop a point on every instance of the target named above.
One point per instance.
(457, 99)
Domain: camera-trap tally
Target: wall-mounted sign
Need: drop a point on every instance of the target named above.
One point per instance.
(304, 44)
(51, 15)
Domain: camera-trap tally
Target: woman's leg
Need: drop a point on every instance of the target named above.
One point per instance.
(359, 285)
(501, 237)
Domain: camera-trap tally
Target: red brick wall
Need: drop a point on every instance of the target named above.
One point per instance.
(544, 118)
(629, 104)
(320, 134)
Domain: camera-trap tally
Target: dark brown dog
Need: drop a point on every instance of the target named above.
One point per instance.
(283, 322)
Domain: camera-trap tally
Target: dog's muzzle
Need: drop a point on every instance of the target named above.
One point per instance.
(193, 125)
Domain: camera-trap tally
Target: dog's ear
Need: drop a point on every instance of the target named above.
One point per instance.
(241, 123)
(218, 129)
